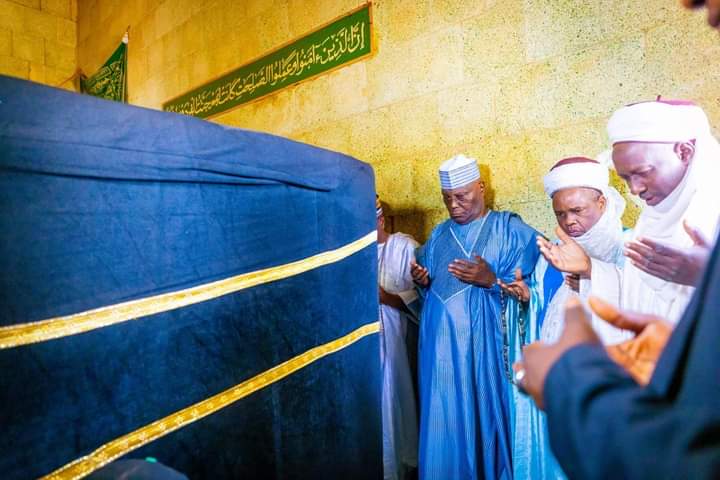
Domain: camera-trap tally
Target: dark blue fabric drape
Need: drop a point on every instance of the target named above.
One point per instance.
(102, 203)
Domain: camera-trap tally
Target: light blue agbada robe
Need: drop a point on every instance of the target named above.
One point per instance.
(464, 411)
(532, 457)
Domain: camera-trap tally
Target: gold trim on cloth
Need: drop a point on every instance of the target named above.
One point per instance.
(43, 330)
(120, 446)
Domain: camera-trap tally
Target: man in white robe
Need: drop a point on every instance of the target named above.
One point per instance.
(568, 184)
(589, 211)
(669, 158)
(398, 299)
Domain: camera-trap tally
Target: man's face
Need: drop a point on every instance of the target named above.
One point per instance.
(652, 170)
(578, 209)
(466, 203)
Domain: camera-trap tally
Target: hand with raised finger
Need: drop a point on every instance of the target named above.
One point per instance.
(639, 355)
(420, 274)
(477, 273)
(517, 289)
(567, 256)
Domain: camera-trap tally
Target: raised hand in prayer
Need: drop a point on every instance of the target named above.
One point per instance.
(677, 265)
(573, 281)
(568, 256)
(477, 273)
(639, 355)
(518, 288)
(538, 357)
(420, 274)
(713, 7)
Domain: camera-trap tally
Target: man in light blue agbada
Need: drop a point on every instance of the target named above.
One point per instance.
(463, 358)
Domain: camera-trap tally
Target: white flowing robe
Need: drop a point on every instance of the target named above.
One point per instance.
(399, 413)
(697, 200)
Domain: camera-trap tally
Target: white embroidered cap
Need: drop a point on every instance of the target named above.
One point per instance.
(458, 172)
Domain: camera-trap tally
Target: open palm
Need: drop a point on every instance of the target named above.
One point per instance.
(567, 256)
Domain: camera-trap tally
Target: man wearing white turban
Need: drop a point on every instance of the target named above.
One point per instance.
(628, 423)
(588, 211)
(669, 158)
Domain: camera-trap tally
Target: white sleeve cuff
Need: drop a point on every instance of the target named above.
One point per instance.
(408, 296)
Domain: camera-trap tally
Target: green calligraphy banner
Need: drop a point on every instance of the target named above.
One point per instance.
(342, 41)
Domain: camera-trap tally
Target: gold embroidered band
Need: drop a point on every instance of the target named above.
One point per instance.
(120, 446)
(43, 330)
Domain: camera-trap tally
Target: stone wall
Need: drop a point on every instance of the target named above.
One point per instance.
(38, 40)
(518, 84)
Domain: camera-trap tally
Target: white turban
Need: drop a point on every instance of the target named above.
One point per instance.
(661, 121)
(576, 172)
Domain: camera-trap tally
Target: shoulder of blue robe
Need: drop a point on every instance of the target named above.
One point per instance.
(670, 429)
(543, 283)
(520, 238)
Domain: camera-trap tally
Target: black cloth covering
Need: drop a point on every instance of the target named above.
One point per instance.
(102, 203)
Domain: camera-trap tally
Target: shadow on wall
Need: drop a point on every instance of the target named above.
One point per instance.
(413, 222)
(489, 190)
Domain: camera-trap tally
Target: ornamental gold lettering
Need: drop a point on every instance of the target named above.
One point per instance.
(303, 58)
(357, 37)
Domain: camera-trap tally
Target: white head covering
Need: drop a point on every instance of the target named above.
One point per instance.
(458, 172)
(604, 240)
(672, 121)
(661, 121)
(576, 172)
